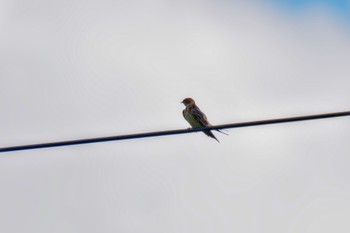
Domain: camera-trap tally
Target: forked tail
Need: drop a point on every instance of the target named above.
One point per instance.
(210, 134)
(221, 131)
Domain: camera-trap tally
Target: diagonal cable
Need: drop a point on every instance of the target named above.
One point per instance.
(174, 132)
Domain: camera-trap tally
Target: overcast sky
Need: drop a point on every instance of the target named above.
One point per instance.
(81, 69)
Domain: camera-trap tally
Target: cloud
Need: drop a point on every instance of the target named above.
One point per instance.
(86, 69)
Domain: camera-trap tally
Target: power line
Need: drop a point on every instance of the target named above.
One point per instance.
(173, 132)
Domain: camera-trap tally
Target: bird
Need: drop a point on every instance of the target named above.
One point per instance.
(196, 118)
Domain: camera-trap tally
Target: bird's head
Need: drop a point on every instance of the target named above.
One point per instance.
(188, 101)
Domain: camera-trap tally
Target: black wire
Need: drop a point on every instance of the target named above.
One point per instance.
(173, 132)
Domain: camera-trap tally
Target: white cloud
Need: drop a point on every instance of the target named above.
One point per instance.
(75, 69)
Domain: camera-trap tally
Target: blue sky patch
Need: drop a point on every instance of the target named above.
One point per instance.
(341, 7)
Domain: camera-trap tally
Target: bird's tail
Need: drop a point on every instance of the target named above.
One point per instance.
(221, 131)
(210, 134)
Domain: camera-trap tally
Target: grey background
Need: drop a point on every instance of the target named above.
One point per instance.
(80, 69)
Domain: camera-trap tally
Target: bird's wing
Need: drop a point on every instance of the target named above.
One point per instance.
(199, 116)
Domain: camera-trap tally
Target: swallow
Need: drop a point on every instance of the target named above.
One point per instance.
(196, 118)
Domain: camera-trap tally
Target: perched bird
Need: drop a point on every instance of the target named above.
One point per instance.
(195, 117)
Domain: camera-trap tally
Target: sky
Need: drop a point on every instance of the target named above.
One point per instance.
(339, 6)
(84, 69)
